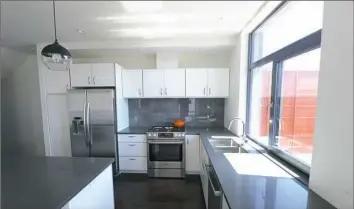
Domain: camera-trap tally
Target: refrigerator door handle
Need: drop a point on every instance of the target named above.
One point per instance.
(85, 125)
(88, 124)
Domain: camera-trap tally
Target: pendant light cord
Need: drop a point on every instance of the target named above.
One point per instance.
(55, 22)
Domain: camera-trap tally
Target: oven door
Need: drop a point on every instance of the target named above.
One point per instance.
(166, 154)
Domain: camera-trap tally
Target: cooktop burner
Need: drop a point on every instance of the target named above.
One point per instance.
(166, 129)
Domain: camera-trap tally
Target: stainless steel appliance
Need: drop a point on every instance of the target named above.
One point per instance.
(166, 152)
(214, 189)
(92, 123)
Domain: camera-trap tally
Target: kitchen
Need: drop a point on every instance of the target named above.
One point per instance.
(152, 123)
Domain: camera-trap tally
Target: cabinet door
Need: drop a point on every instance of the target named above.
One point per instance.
(153, 83)
(57, 81)
(192, 154)
(132, 81)
(80, 75)
(196, 82)
(174, 83)
(218, 82)
(103, 74)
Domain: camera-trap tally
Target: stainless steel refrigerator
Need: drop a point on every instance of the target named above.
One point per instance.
(92, 115)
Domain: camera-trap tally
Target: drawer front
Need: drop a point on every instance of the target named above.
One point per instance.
(131, 137)
(133, 163)
(132, 149)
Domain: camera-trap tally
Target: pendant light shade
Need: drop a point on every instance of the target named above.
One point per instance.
(54, 55)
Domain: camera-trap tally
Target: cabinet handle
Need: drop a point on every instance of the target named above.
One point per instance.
(132, 145)
(161, 91)
(139, 92)
(187, 141)
(94, 82)
(165, 91)
(88, 80)
(209, 90)
(131, 159)
(131, 136)
(204, 90)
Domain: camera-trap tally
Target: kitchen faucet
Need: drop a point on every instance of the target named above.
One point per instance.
(243, 136)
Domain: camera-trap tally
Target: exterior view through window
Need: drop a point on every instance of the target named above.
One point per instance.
(283, 80)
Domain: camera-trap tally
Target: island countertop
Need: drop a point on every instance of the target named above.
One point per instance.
(46, 182)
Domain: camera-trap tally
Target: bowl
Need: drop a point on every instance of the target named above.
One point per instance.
(178, 123)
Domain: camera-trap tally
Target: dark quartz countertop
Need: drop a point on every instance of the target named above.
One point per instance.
(250, 188)
(46, 182)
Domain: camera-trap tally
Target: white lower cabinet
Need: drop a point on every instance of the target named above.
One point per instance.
(132, 164)
(132, 149)
(96, 195)
(192, 154)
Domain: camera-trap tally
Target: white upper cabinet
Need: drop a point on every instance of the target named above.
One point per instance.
(218, 82)
(153, 83)
(211, 82)
(91, 75)
(103, 74)
(174, 83)
(80, 75)
(132, 83)
(164, 83)
(196, 82)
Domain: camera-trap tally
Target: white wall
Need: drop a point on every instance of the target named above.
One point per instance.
(332, 164)
(22, 131)
(235, 105)
(185, 60)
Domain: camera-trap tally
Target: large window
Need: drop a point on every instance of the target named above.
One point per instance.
(283, 80)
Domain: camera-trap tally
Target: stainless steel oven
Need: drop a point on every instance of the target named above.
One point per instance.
(166, 153)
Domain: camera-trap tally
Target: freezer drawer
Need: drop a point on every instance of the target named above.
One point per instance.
(127, 149)
(133, 164)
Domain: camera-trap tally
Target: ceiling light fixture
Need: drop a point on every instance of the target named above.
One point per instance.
(80, 31)
(142, 6)
(55, 56)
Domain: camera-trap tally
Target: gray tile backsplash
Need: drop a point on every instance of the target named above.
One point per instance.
(196, 112)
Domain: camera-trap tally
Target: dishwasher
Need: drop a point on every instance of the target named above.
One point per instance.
(215, 194)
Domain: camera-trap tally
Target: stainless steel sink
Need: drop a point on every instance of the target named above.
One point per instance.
(229, 149)
(226, 144)
(223, 143)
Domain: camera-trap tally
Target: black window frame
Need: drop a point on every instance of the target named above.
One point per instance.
(301, 46)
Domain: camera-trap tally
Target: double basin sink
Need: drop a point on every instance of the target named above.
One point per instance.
(226, 144)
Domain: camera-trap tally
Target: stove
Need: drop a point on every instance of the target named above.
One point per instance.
(166, 132)
(166, 152)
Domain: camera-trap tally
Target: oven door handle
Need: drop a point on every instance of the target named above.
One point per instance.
(165, 142)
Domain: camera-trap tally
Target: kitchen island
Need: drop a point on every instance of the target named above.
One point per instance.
(56, 183)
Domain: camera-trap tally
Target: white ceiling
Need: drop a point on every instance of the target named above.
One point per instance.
(31, 22)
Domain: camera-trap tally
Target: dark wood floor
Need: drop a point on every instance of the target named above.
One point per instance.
(139, 192)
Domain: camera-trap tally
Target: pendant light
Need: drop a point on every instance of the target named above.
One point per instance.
(55, 56)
